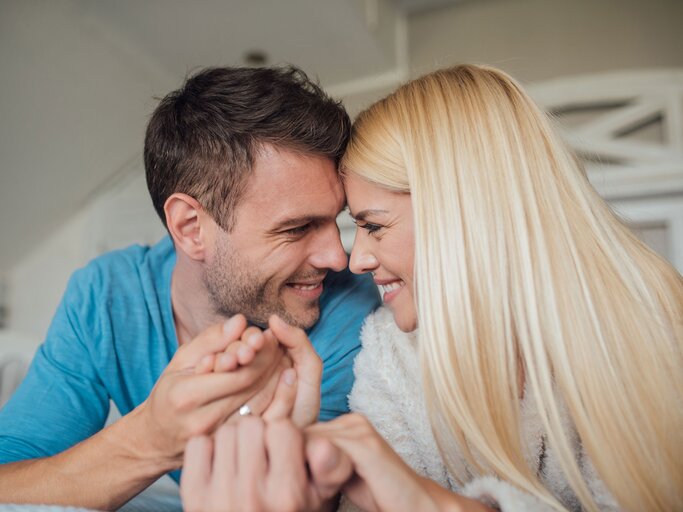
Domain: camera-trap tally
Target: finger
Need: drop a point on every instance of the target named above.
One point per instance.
(238, 353)
(242, 352)
(285, 396)
(194, 391)
(226, 362)
(210, 341)
(343, 423)
(256, 340)
(298, 346)
(246, 354)
(259, 370)
(287, 472)
(251, 452)
(253, 337)
(330, 467)
(261, 398)
(207, 418)
(291, 337)
(269, 337)
(308, 367)
(205, 364)
(196, 474)
(225, 455)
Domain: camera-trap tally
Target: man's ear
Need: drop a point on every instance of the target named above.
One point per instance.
(185, 220)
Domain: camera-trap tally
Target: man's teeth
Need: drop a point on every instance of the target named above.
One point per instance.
(392, 286)
(305, 286)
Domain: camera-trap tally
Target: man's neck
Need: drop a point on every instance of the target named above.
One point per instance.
(192, 309)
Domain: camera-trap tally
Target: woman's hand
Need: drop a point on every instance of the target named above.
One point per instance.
(381, 481)
(308, 366)
(253, 465)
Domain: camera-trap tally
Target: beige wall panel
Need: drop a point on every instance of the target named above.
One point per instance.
(539, 39)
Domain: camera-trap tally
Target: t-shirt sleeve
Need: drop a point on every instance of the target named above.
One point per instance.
(62, 400)
(336, 337)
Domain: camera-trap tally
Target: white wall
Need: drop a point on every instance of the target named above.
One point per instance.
(533, 39)
(36, 284)
(77, 98)
(121, 216)
(541, 39)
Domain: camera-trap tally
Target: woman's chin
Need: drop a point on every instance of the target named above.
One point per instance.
(406, 323)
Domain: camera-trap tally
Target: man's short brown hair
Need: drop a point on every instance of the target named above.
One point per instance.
(202, 139)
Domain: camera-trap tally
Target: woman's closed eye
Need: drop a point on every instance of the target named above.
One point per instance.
(368, 226)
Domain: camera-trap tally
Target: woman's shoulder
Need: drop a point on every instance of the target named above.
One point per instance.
(386, 351)
(380, 332)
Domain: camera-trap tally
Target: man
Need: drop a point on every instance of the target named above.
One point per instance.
(241, 168)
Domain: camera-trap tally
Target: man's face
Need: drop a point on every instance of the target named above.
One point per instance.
(284, 241)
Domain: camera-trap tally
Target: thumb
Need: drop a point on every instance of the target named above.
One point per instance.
(210, 341)
(330, 467)
(308, 366)
(285, 396)
(294, 339)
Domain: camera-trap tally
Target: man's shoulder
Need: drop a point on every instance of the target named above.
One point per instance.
(122, 268)
(115, 290)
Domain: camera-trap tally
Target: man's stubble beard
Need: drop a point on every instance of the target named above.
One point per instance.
(234, 289)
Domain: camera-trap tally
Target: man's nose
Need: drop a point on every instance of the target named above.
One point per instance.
(329, 253)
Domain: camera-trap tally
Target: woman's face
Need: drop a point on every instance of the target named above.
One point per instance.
(384, 245)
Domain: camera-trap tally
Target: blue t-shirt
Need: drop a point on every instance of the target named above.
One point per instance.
(113, 335)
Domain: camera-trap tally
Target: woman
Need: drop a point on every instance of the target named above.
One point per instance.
(548, 355)
(549, 335)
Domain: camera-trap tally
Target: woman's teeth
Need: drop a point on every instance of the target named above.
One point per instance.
(386, 288)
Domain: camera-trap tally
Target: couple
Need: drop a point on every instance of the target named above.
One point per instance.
(529, 354)
(546, 370)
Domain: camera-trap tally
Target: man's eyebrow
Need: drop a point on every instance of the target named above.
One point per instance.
(298, 221)
(362, 215)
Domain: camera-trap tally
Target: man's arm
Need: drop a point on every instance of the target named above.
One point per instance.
(102, 472)
(113, 465)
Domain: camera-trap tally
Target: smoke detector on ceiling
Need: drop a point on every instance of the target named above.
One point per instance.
(255, 58)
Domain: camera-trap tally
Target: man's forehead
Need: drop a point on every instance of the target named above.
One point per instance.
(297, 208)
(288, 188)
(282, 170)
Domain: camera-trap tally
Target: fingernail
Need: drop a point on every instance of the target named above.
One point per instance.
(245, 352)
(331, 460)
(252, 340)
(227, 360)
(227, 325)
(289, 376)
(269, 336)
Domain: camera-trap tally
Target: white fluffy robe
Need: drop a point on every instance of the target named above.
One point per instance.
(388, 391)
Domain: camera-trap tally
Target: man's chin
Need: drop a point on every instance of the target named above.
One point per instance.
(303, 318)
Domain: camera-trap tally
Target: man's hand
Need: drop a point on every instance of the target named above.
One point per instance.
(300, 402)
(188, 400)
(250, 465)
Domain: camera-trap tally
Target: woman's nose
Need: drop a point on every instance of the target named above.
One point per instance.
(362, 260)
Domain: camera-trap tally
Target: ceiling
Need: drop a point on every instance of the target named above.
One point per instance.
(80, 77)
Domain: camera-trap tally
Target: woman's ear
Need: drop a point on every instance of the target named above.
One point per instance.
(184, 222)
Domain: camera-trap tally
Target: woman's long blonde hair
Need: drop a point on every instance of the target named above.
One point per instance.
(524, 274)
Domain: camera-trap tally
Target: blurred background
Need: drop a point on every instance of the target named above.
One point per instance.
(79, 79)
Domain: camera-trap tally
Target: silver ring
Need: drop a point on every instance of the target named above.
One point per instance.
(245, 410)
